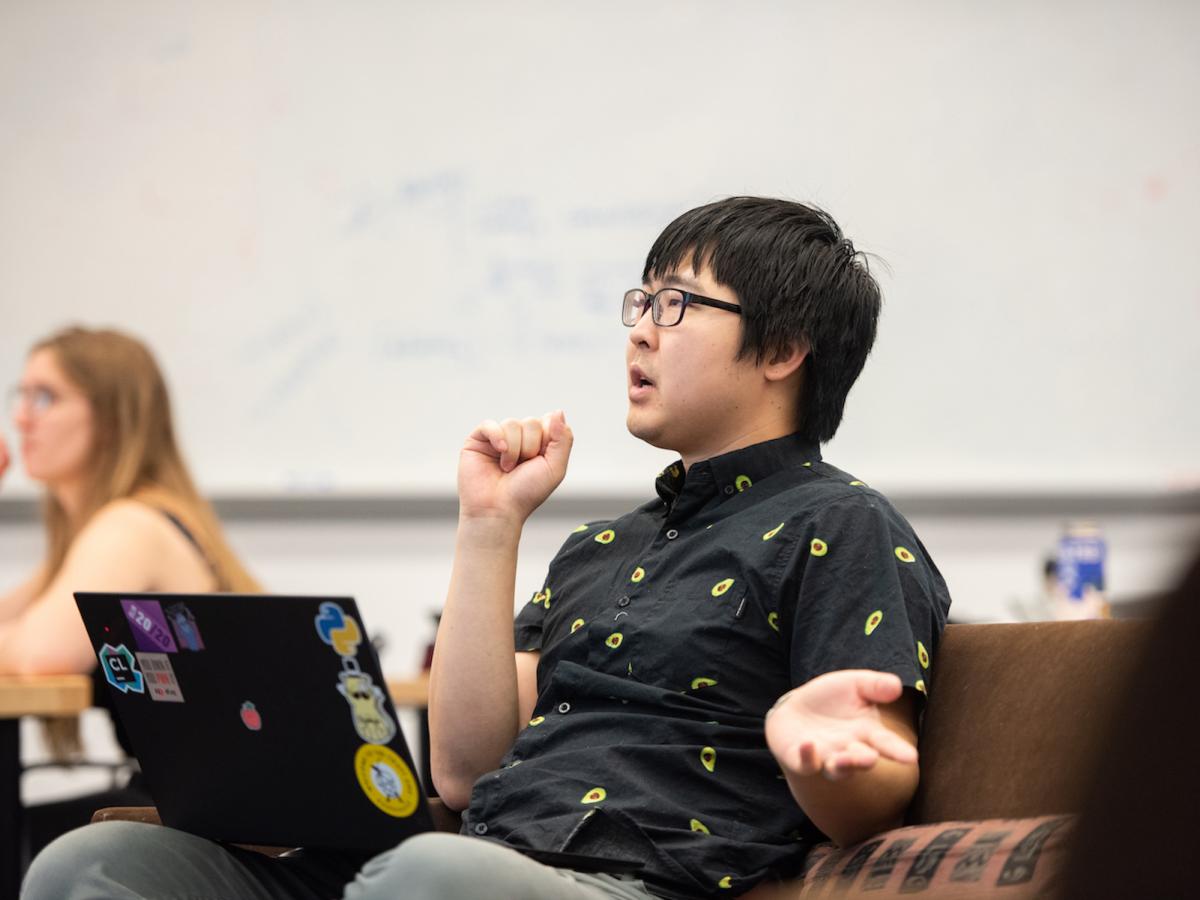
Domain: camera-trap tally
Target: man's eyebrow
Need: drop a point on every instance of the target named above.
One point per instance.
(674, 280)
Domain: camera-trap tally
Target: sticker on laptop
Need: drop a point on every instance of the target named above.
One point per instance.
(366, 700)
(183, 623)
(338, 630)
(251, 717)
(386, 779)
(149, 626)
(161, 683)
(120, 669)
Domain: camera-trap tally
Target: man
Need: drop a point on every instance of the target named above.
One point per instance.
(761, 591)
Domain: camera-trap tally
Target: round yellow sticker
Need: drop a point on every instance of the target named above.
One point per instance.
(386, 779)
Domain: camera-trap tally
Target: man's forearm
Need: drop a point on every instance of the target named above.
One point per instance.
(863, 804)
(473, 702)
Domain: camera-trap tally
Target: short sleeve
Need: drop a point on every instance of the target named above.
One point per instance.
(531, 618)
(530, 624)
(867, 595)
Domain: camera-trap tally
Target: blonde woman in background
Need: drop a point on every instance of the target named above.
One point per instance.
(121, 513)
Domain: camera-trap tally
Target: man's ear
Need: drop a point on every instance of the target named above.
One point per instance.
(786, 362)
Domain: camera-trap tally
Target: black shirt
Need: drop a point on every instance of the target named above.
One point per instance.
(667, 634)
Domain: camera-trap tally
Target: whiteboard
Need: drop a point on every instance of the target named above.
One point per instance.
(351, 231)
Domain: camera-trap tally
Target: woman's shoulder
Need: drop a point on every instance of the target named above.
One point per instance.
(129, 519)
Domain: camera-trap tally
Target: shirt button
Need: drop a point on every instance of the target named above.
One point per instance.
(729, 488)
(480, 828)
(623, 602)
(672, 534)
(564, 707)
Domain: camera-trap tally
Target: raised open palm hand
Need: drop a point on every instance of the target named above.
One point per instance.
(832, 725)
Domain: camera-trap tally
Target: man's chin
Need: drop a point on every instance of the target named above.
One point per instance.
(645, 431)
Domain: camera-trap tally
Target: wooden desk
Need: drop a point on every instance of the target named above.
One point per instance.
(21, 695)
(410, 692)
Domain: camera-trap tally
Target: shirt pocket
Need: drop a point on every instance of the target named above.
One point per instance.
(701, 618)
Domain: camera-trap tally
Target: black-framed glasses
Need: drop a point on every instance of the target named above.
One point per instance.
(666, 306)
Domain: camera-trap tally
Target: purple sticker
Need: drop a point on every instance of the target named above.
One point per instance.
(149, 626)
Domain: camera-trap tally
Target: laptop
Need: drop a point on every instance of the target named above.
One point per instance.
(265, 720)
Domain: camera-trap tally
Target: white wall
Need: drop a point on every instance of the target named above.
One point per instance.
(333, 220)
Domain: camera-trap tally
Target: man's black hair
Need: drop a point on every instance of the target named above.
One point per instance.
(798, 279)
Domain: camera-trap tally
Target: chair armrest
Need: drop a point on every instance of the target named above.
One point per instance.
(146, 814)
(444, 818)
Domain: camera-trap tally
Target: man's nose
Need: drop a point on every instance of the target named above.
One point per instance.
(645, 332)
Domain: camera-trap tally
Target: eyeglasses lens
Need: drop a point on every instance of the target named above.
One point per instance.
(633, 306)
(668, 307)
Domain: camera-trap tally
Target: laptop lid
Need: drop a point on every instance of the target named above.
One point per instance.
(258, 719)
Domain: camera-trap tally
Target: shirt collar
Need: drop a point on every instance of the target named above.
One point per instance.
(733, 472)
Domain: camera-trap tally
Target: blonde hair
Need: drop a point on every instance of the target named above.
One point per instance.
(134, 454)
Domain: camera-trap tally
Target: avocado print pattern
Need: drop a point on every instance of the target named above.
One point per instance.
(774, 531)
(696, 612)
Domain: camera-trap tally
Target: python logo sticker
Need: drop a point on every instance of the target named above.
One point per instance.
(386, 779)
(120, 669)
(337, 629)
(366, 700)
